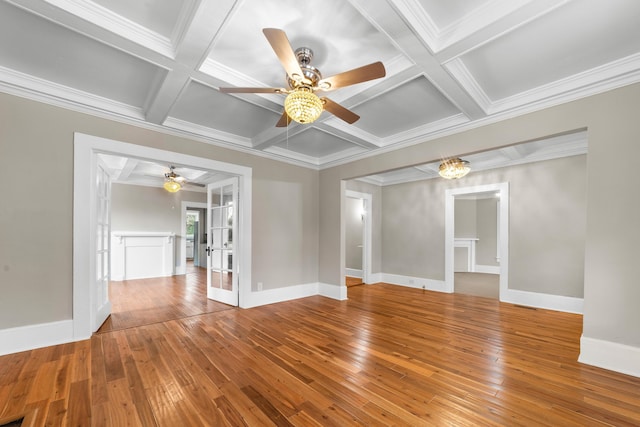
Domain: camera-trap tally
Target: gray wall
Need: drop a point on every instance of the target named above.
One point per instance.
(38, 138)
(138, 208)
(610, 273)
(466, 219)
(547, 225)
(487, 226)
(353, 234)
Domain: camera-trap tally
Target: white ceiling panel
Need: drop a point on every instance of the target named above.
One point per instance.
(205, 106)
(159, 16)
(450, 65)
(314, 143)
(410, 105)
(446, 13)
(575, 38)
(45, 50)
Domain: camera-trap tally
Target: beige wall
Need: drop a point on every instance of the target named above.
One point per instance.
(487, 226)
(138, 208)
(36, 144)
(610, 276)
(465, 219)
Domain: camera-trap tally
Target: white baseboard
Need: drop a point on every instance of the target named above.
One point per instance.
(610, 355)
(546, 301)
(375, 278)
(272, 296)
(23, 338)
(351, 272)
(489, 269)
(332, 291)
(413, 282)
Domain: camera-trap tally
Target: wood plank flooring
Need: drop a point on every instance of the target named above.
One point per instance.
(145, 301)
(387, 356)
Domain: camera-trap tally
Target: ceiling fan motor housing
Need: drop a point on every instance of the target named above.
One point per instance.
(312, 74)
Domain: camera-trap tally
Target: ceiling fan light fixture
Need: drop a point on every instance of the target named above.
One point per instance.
(303, 106)
(172, 186)
(454, 168)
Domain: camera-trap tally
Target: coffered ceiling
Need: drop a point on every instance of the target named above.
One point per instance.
(451, 65)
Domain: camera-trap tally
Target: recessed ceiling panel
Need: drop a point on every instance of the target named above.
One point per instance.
(445, 13)
(339, 36)
(202, 105)
(577, 37)
(32, 45)
(315, 143)
(411, 105)
(159, 16)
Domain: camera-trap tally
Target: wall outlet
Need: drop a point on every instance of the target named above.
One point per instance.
(259, 286)
(424, 287)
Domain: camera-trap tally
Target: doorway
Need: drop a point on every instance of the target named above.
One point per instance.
(501, 193)
(86, 150)
(198, 211)
(358, 237)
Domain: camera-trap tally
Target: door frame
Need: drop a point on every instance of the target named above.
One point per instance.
(183, 245)
(86, 150)
(502, 190)
(367, 234)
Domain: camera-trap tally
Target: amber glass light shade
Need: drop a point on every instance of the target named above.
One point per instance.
(303, 106)
(454, 168)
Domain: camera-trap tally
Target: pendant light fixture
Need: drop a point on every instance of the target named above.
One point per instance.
(454, 168)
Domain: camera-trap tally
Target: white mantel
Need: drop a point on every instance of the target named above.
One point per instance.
(470, 244)
(142, 254)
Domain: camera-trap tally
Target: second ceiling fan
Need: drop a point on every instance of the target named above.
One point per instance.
(302, 104)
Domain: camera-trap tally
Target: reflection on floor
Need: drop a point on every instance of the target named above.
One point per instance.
(145, 301)
(477, 284)
(353, 281)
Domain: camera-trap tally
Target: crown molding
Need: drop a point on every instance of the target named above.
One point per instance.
(117, 24)
(37, 89)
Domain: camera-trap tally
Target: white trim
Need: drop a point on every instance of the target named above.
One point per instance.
(503, 190)
(487, 269)
(546, 301)
(414, 282)
(610, 355)
(332, 291)
(86, 149)
(352, 272)
(272, 296)
(375, 278)
(23, 338)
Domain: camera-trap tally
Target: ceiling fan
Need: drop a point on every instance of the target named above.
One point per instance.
(303, 80)
(174, 182)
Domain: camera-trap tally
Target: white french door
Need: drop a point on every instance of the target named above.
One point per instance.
(222, 241)
(101, 306)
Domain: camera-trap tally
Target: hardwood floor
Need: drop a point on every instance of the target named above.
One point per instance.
(387, 356)
(353, 281)
(144, 301)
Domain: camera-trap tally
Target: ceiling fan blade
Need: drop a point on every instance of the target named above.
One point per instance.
(281, 46)
(284, 120)
(339, 111)
(357, 75)
(252, 90)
